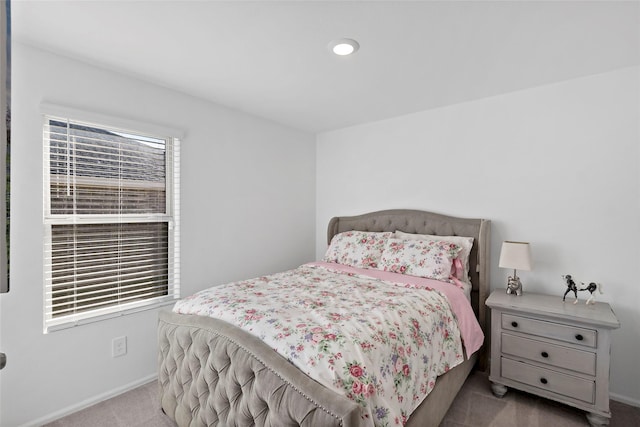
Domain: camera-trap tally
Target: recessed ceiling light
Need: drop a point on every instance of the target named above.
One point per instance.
(344, 47)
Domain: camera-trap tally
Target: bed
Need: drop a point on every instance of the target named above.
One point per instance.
(213, 373)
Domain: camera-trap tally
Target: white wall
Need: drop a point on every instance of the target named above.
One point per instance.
(248, 208)
(557, 166)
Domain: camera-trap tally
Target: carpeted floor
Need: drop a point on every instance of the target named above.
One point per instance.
(475, 406)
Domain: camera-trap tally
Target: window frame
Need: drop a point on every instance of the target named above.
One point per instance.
(171, 216)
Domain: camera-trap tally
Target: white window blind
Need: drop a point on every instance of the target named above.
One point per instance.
(111, 215)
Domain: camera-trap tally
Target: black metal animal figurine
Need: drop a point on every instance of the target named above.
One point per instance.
(571, 286)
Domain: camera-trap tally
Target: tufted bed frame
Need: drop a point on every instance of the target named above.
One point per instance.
(214, 374)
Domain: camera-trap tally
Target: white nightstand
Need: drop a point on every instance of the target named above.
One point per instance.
(553, 349)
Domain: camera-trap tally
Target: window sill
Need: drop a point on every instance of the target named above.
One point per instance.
(58, 325)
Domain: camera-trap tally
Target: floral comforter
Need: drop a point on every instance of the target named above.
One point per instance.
(381, 341)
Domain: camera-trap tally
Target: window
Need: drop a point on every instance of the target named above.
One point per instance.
(111, 215)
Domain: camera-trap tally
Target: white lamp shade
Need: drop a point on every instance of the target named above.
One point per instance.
(515, 255)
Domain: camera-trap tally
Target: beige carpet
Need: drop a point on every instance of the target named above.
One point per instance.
(475, 406)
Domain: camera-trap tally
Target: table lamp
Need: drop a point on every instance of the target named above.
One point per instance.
(515, 255)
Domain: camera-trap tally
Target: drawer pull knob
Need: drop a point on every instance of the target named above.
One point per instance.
(514, 324)
(543, 380)
(579, 337)
(544, 354)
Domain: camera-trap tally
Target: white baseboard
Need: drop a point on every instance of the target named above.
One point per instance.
(625, 399)
(89, 402)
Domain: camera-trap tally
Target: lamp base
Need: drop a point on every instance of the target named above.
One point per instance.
(514, 286)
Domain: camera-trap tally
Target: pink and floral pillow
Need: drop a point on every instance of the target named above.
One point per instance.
(466, 243)
(361, 249)
(431, 259)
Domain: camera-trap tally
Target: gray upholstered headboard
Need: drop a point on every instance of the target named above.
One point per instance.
(421, 222)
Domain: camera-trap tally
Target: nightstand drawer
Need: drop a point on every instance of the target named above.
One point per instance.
(558, 331)
(566, 385)
(551, 354)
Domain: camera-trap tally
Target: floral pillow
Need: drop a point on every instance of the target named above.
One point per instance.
(466, 243)
(431, 259)
(361, 249)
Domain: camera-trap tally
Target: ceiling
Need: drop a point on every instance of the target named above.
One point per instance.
(270, 58)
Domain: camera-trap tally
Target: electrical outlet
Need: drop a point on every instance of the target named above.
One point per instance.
(119, 346)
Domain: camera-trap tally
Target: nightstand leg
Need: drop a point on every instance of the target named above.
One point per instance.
(498, 390)
(597, 420)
